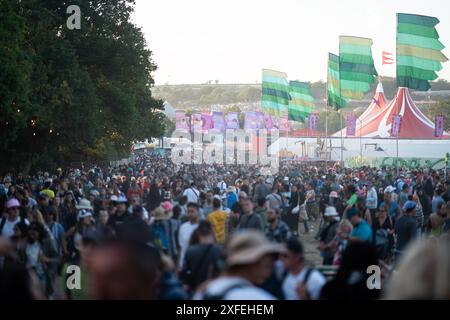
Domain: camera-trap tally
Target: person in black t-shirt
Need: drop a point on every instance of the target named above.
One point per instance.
(204, 258)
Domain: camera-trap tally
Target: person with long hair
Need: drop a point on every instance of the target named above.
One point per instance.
(41, 256)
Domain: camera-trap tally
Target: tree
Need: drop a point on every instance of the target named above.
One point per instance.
(440, 108)
(83, 95)
(15, 71)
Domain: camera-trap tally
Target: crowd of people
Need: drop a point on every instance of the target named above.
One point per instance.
(153, 229)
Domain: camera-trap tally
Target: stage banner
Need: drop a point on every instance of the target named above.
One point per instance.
(313, 121)
(261, 123)
(182, 122)
(218, 121)
(351, 124)
(196, 122)
(232, 120)
(439, 126)
(396, 123)
(251, 120)
(207, 123)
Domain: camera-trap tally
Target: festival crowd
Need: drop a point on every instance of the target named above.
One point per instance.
(152, 229)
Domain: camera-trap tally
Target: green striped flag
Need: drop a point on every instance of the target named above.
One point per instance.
(419, 53)
(333, 84)
(302, 101)
(275, 92)
(357, 70)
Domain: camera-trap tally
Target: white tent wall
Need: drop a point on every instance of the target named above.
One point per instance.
(364, 150)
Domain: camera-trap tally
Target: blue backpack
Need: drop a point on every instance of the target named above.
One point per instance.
(160, 238)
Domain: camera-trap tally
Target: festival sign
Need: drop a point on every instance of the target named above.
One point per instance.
(182, 122)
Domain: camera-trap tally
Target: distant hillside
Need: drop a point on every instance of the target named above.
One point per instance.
(247, 96)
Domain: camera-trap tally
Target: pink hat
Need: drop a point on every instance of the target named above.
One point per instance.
(11, 203)
(167, 206)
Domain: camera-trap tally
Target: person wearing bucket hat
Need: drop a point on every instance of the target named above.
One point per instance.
(84, 204)
(250, 261)
(328, 234)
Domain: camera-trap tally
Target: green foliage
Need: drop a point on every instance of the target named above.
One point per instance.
(83, 95)
(193, 96)
(440, 108)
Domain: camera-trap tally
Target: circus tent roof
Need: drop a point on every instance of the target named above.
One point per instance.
(414, 124)
(377, 106)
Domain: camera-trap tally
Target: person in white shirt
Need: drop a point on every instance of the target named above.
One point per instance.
(301, 282)
(187, 228)
(192, 193)
(250, 261)
(7, 223)
(222, 185)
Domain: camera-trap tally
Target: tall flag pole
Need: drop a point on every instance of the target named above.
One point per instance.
(334, 98)
(356, 66)
(419, 53)
(302, 101)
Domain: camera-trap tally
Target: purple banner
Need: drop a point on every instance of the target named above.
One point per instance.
(218, 121)
(196, 122)
(207, 123)
(182, 122)
(232, 120)
(251, 120)
(351, 125)
(268, 122)
(439, 126)
(313, 121)
(260, 116)
(396, 123)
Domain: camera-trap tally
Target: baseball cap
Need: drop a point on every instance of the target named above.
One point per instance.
(409, 206)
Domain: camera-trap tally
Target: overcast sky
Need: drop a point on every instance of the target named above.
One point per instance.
(232, 40)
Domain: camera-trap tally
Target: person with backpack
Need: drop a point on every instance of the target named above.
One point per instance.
(249, 263)
(301, 282)
(274, 200)
(158, 230)
(203, 257)
(328, 234)
(12, 218)
(192, 193)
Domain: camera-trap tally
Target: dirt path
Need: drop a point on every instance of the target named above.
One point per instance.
(310, 244)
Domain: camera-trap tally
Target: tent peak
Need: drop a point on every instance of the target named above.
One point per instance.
(379, 88)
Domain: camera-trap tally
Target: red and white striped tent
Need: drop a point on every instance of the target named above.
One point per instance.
(377, 106)
(414, 124)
